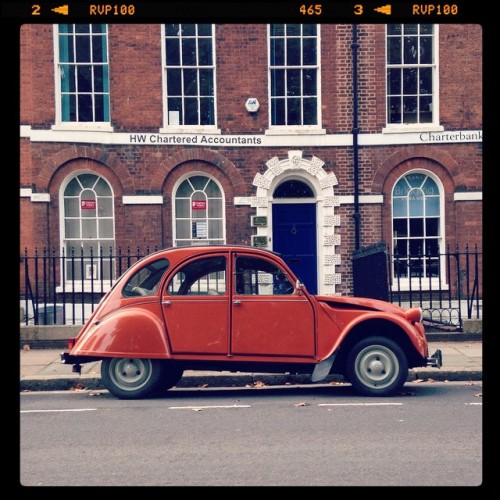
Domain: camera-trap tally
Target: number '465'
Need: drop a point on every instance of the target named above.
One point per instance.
(311, 10)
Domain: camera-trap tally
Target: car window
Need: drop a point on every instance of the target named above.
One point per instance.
(205, 276)
(260, 277)
(145, 281)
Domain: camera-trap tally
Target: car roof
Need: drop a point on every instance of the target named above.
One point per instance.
(188, 250)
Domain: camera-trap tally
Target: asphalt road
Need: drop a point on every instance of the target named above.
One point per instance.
(324, 436)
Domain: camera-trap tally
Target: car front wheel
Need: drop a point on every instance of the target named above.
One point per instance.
(377, 366)
(131, 378)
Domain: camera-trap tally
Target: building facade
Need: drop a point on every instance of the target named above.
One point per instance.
(311, 140)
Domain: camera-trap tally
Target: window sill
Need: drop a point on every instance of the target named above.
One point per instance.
(190, 130)
(295, 131)
(83, 127)
(398, 129)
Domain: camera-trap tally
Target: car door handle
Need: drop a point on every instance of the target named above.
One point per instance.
(167, 303)
(237, 302)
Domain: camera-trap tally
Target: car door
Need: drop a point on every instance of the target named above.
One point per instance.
(270, 317)
(196, 307)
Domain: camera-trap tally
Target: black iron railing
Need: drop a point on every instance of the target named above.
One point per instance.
(448, 286)
(64, 288)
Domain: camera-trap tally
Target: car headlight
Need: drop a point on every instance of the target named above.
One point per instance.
(415, 315)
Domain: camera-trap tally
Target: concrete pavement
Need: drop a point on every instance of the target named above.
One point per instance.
(41, 370)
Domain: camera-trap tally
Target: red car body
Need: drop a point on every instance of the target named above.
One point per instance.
(238, 308)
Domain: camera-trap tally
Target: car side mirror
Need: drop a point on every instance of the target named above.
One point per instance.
(299, 286)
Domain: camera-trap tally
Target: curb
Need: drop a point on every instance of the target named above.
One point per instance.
(90, 382)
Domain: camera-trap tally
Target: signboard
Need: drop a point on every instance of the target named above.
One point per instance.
(259, 241)
(199, 229)
(88, 205)
(199, 204)
(259, 221)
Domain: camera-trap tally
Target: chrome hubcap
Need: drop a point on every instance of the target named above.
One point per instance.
(377, 366)
(130, 373)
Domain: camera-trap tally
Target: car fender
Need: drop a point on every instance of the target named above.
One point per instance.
(414, 332)
(137, 331)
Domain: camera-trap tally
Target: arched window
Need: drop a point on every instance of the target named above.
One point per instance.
(293, 189)
(88, 228)
(416, 226)
(199, 212)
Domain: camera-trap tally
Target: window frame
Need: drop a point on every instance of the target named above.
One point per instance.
(88, 282)
(60, 124)
(198, 241)
(434, 124)
(199, 128)
(303, 129)
(405, 283)
(256, 276)
(210, 280)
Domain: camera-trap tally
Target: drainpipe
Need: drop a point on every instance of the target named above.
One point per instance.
(355, 131)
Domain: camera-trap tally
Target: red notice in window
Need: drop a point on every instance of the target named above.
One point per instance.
(88, 204)
(199, 204)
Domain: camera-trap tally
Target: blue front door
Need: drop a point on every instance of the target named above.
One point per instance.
(294, 237)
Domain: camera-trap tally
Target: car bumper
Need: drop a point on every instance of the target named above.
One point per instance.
(436, 360)
(67, 359)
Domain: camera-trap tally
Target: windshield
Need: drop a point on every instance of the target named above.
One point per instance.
(145, 281)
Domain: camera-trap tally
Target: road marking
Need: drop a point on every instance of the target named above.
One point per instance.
(56, 411)
(473, 404)
(360, 404)
(206, 407)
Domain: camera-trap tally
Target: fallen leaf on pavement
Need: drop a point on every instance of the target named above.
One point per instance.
(480, 395)
(302, 404)
(256, 384)
(78, 387)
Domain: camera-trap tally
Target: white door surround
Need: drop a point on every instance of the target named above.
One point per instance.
(322, 183)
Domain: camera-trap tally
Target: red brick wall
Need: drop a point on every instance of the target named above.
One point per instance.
(135, 77)
(461, 76)
(241, 53)
(241, 73)
(37, 106)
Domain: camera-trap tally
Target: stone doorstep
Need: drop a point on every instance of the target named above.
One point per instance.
(472, 326)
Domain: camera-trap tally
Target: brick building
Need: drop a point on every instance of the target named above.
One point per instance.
(311, 140)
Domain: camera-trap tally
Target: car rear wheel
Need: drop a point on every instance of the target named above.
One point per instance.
(377, 366)
(132, 378)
